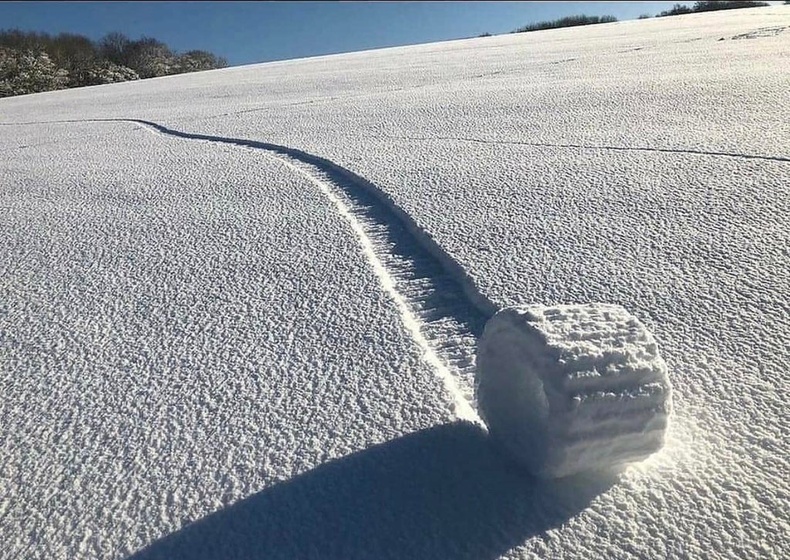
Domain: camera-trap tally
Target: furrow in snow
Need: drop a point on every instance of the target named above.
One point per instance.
(422, 279)
(683, 151)
(417, 282)
(439, 303)
(686, 151)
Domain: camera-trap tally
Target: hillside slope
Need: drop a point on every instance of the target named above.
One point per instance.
(234, 335)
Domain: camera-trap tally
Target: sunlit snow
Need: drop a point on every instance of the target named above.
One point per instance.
(239, 309)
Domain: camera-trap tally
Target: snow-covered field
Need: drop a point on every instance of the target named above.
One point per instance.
(239, 309)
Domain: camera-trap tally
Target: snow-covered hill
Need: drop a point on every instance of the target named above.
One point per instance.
(238, 309)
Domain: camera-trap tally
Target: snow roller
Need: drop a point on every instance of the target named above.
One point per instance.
(570, 388)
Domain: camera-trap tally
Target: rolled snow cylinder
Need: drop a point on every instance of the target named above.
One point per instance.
(572, 388)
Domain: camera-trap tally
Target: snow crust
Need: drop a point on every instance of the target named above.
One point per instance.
(570, 388)
(193, 342)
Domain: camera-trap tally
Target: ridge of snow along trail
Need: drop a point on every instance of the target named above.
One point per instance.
(439, 303)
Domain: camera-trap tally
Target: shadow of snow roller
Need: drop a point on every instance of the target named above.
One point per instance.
(572, 388)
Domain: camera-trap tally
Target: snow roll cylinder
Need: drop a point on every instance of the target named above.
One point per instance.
(570, 388)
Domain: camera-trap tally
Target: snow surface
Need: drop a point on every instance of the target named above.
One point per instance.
(569, 388)
(200, 356)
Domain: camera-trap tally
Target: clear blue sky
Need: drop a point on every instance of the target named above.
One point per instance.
(249, 32)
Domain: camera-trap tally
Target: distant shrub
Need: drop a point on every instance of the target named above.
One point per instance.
(28, 72)
(195, 61)
(106, 72)
(710, 6)
(570, 21)
(486, 34)
(645, 16)
(677, 9)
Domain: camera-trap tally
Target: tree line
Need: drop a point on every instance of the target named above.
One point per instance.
(31, 62)
(709, 6)
(569, 21)
(677, 9)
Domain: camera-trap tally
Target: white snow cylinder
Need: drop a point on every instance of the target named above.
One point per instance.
(571, 388)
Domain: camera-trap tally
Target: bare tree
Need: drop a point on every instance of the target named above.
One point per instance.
(115, 48)
(76, 54)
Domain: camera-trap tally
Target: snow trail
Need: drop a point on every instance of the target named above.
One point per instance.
(469, 139)
(684, 151)
(439, 304)
(462, 406)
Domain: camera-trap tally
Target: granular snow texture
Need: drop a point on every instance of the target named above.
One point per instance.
(571, 388)
(196, 349)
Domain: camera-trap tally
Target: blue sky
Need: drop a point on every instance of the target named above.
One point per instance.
(249, 32)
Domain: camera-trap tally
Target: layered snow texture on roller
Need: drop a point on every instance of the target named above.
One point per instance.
(571, 388)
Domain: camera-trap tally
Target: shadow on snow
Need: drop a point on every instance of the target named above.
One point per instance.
(443, 492)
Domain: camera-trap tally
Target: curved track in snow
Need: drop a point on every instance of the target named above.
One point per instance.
(439, 303)
(682, 151)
